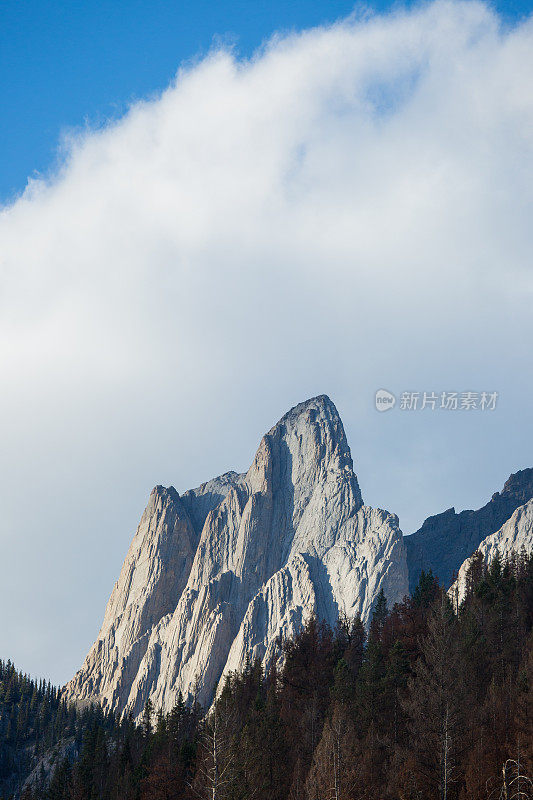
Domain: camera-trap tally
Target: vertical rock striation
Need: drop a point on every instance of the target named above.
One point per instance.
(229, 569)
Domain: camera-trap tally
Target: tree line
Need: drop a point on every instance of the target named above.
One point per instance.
(432, 702)
(33, 722)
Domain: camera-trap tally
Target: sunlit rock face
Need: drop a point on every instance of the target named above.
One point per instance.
(512, 539)
(446, 540)
(229, 570)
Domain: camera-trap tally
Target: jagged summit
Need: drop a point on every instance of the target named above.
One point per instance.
(226, 571)
(320, 404)
(518, 485)
(318, 419)
(230, 568)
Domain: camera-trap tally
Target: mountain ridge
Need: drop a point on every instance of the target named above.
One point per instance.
(514, 537)
(230, 569)
(445, 540)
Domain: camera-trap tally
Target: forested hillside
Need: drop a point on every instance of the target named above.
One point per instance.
(37, 728)
(434, 702)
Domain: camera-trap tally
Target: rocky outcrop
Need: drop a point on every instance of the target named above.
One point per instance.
(444, 541)
(514, 537)
(230, 569)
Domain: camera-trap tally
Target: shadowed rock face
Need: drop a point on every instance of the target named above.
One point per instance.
(446, 540)
(231, 568)
(514, 537)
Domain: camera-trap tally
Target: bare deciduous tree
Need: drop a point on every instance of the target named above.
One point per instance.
(215, 773)
(516, 785)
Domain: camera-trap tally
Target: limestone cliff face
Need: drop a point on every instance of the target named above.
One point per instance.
(515, 536)
(231, 568)
(446, 540)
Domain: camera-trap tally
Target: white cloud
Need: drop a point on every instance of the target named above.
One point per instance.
(349, 209)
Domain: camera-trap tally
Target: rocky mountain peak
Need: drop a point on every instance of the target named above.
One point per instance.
(518, 486)
(225, 571)
(318, 410)
(315, 425)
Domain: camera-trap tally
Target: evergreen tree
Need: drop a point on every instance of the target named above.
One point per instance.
(435, 707)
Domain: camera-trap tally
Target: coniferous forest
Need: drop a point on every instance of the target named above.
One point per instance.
(433, 702)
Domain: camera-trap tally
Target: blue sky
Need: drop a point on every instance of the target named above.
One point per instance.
(66, 64)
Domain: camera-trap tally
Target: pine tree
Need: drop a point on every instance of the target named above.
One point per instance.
(435, 707)
(147, 718)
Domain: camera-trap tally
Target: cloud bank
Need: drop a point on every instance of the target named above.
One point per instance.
(348, 210)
